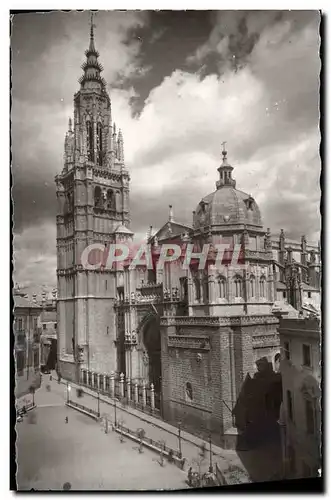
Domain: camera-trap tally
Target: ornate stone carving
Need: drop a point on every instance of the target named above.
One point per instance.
(189, 342)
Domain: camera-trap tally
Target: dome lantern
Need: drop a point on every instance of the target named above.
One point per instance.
(225, 171)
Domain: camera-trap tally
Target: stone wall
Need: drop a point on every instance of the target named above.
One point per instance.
(214, 357)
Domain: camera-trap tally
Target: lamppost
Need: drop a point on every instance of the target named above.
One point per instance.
(68, 392)
(210, 456)
(180, 438)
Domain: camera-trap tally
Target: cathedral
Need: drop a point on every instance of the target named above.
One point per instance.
(186, 342)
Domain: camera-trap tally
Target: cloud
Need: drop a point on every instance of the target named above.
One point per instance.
(266, 108)
(34, 256)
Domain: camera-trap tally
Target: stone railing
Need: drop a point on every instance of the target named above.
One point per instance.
(133, 393)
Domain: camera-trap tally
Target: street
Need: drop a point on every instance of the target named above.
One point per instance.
(51, 452)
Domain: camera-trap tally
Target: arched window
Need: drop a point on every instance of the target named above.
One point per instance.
(206, 290)
(99, 143)
(89, 133)
(238, 286)
(110, 200)
(97, 197)
(222, 287)
(189, 391)
(252, 285)
(197, 289)
(262, 286)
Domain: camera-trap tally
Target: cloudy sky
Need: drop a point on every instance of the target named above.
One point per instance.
(180, 84)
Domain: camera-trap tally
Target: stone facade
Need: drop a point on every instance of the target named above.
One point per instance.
(27, 345)
(301, 408)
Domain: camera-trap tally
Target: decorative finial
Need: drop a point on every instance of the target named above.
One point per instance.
(224, 151)
(171, 214)
(70, 125)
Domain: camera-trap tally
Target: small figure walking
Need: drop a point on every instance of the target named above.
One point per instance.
(50, 378)
(66, 420)
(189, 476)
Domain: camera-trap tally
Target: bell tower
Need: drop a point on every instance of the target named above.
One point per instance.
(93, 207)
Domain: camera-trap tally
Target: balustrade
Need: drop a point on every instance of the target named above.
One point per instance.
(133, 392)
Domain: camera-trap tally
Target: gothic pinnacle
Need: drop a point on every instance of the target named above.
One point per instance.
(70, 125)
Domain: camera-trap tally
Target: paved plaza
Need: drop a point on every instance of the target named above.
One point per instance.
(51, 453)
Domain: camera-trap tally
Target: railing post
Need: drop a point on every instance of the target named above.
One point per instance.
(144, 393)
(104, 382)
(152, 397)
(112, 384)
(122, 385)
(136, 397)
(98, 381)
(128, 389)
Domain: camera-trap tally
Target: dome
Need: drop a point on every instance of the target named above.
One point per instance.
(227, 206)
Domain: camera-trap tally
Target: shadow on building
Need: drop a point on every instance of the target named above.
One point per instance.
(256, 416)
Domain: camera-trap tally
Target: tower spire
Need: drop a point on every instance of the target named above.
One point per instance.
(91, 67)
(92, 47)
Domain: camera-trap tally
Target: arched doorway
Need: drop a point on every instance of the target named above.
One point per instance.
(152, 344)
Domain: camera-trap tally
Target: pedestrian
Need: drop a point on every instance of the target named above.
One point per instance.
(50, 378)
(189, 476)
(67, 420)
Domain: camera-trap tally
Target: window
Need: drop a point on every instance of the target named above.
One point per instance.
(55, 326)
(106, 284)
(20, 324)
(20, 362)
(287, 350)
(289, 405)
(44, 326)
(107, 330)
(252, 285)
(309, 295)
(262, 287)
(197, 289)
(110, 199)
(222, 285)
(238, 286)
(99, 143)
(35, 323)
(310, 421)
(89, 133)
(284, 295)
(306, 355)
(36, 358)
(206, 289)
(189, 391)
(97, 197)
